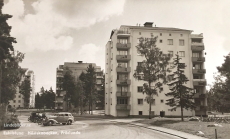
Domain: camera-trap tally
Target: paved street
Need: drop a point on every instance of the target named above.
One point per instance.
(85, 129)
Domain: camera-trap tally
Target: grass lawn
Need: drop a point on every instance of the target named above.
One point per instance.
(191, 126)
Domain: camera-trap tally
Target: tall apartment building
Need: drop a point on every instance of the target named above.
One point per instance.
(77, 69)
(18, 102)
(123, 93)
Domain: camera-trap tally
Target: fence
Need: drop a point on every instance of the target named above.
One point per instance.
(216, 119)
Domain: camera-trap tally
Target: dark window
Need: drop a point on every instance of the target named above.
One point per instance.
(19, 101)
(160, 34)
(162, 101)
(169, 34)
(139, 89)
(140, 101)
(139, 33)
(170, 41)
(161, 41)
(140, 112)
(139, 63)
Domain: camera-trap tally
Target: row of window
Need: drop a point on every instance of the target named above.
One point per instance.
(139, 101)
(14, 101)
(161, 34)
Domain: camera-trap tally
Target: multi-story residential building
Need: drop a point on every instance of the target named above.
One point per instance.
(18, 102)
(123, 93)
(77, 69)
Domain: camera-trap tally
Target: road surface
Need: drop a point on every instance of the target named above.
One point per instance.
(84, 129)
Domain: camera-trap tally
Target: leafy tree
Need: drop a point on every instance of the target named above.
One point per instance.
(25, 90)
(38, 101)
(153, 69)
(80, 96)
(101, 94)
(182, 96)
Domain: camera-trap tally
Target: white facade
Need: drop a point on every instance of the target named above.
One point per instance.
(122, 59)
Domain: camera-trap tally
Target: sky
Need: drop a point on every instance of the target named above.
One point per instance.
(51, 32)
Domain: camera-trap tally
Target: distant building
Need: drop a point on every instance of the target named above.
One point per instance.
(123, 93)
(77, 69)
(18, 101)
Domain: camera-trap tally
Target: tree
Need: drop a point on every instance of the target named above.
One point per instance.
(25, 90)
(69, 85)
(182, 96)
(5, 43)
(101, 94)
(89, 81)
(38, 101)
(80, 95)
(153, 69)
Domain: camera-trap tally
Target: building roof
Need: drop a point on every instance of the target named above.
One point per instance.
(155, 28)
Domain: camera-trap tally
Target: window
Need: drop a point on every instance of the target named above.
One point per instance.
(140, 112)
(139, 89)
(140, 76)
(153, 102)
(122, 52)
(160, 34)
(122, 101)
(170, 41)
(14, 101)
(181, 35)
(171, 53)
(139, 33)
(161, 41)
(122, 76)
(122, 41)
(121, 64)
(19, 106)
(194, 54)
(181, 42)
(139, 63)
(14, 105)
(162, 101)
(169, 34)
(122, 88)
(197, 66)
(181, 54)
(19, 101)
(151, 34)
(19, 96)
(140, 101)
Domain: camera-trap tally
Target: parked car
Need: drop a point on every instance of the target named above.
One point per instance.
(35, 117)
(59, 118)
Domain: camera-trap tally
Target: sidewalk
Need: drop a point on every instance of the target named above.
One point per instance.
(176, 133)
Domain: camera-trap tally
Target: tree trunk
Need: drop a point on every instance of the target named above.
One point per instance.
(0, 82)
(182, 114)
(150, 110)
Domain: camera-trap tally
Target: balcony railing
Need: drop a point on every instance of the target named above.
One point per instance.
(199, 71)
(123, 107)
(197, 46)
(123, 46)
(199, 82)
(59, 107)
(123, 57)
(99, 76)
(123, 33)
(124, 82)
(198, 59)
(59, 101)
(123, 94)
(123, 69)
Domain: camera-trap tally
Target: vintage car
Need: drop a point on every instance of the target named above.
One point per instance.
(59, 118)
(35, 117)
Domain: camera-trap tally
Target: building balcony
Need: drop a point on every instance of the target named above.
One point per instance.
(98, 82)
(124, 82)
(59, 76)
(199, 82)
(123, 57)
(200, 36)
(123, 46)
(201, 108)
(99, 76)
(59, 107)
(197, 46)
(123, 69)
(123, 94)
(198, 59)
(199, 71)
(123, 33)
(123, 107)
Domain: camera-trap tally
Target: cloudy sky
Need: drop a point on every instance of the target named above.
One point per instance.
(51, 32)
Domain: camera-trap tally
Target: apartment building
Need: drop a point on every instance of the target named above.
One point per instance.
(123, 93)
(77, 69)
(18, 101)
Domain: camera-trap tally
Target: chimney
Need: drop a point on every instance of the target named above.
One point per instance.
(148, 24)
(80, 61)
